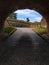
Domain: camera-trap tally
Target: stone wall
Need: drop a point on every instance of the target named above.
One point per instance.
(9, 6)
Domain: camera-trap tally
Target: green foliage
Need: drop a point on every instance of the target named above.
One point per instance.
(14, 20)
(11, 19)
(27, 19)
(9, 30)
(40, 30)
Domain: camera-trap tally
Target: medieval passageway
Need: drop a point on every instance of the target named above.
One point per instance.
(34, 51)
(9, 6)
(24, 47)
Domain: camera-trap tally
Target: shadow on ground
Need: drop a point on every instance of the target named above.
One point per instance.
(24, 53)
(25, 41)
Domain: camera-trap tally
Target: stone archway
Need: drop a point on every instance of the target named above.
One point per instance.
(8, 6)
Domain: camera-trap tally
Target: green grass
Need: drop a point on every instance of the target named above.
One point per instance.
(40, 30)
(14, 20)
(9, 30)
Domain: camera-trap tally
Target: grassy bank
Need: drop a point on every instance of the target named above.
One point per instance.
(9, 30)
(40, 30)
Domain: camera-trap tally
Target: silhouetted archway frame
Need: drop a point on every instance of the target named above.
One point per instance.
(9, 6)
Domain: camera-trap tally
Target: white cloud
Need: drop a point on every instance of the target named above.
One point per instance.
(29, 13)
(26, 12)
(38, 19)
(22, 12)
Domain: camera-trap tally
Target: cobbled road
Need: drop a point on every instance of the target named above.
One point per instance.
(24, 47)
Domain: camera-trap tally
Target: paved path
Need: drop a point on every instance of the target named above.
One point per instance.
(24, 47)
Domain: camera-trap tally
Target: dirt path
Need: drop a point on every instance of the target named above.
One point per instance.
(24, 47)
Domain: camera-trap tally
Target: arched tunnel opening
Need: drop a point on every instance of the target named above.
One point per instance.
(36, 51)
(41, 8)
(11, 22)
(24, 15)
(39, 24)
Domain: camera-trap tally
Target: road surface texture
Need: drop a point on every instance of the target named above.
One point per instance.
(24, 47)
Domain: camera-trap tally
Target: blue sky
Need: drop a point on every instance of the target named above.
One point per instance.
(27, 13)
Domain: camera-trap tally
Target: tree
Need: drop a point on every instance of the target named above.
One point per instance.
(16, 16)
(13, 15)
(27, 19)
